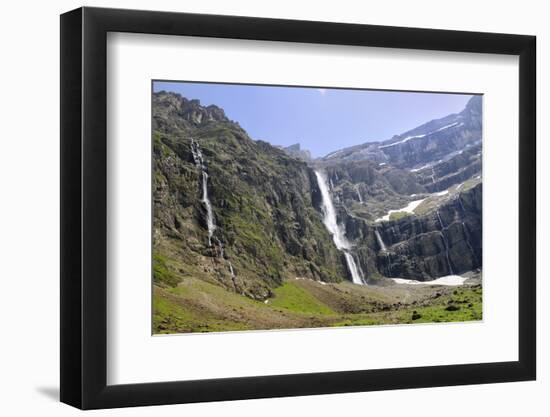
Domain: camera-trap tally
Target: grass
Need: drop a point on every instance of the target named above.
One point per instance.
(463, 304)
(162, 274)
(195, 305)
(296, 299)
(399, 215)
(171, 314)
(168, 315)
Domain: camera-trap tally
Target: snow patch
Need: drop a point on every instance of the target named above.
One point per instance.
(333, 154)
(448, 280)
(421, 168)
(421, 136)
(410, 208)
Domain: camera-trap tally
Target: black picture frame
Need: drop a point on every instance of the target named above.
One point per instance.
(84, 207)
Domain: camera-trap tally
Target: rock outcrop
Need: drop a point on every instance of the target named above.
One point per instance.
(297, 152)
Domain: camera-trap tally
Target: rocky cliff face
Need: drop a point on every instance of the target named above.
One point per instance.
(444, 241)
(438, 165)
(264, 203)
(441, 237)
(247, 215)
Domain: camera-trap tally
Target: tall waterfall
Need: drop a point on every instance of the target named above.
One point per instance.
(210, 222)
(206, 201)
(380, 241)
(336, 230)
(199, 162)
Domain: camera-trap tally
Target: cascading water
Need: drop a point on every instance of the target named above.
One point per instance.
(210, 222)
(209, 214)
(380, 241)
(467, 239)
(446, 243)
(355, 271)
(447, 253)
(359, 195)
(229, 264)
(440, 221)
(199, 162)
(336, 230)
(384, 250)
(388, 263)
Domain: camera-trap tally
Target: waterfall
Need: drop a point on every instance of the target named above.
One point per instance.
(356, 273)
(209, 214)
(336, 230)
(388, 261)
(199, 162)
(433, 175)
(231, 270)
(359, 195)
(445, 242)
(380, 241)
(439, 218)
(467, 239)
(384, 250)
(210, 222)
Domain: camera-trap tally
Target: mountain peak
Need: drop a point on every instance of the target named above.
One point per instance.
(296, 151)
(181, 108)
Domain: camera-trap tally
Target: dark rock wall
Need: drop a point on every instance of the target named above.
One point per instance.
(425, 247)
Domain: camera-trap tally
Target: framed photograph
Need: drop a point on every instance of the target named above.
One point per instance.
(257, 208)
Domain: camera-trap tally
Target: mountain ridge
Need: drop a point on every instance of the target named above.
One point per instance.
(267, 205)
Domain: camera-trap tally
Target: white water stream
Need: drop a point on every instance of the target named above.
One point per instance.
(336, 230)
(209, 214)
(445, 242)
(359, 195)
(199, 162)
(380, 241)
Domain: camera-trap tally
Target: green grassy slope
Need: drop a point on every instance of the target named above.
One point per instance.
(199, 306)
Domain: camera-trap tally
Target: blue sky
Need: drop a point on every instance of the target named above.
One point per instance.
(321, 120)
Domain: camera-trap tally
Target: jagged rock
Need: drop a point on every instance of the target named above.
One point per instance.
(297, 152)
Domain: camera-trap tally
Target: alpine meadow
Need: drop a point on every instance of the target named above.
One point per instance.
(296, 215)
